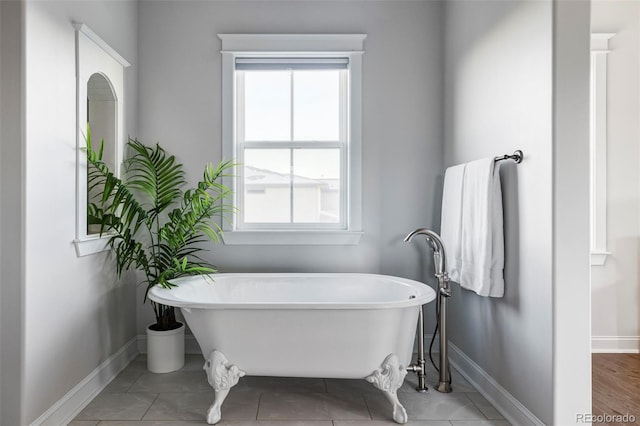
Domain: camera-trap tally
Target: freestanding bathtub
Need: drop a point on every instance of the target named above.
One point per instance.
(301, 325)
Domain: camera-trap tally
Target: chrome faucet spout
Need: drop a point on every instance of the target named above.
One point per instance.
(439, 255)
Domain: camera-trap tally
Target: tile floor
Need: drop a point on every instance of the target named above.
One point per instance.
(139, 398)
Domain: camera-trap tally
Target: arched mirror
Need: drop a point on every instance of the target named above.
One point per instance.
(102, 113)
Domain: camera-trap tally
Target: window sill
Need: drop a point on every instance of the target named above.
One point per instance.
(91, 245)
(297, 237)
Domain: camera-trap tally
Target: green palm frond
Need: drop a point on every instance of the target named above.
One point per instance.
(156, 175)
(154, 225)
(117, 211)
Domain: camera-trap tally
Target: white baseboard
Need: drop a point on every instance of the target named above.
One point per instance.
(615, 344)
(191, 345)
(512, 409)
(68, 407)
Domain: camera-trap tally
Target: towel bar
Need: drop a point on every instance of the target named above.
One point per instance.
(517, 156)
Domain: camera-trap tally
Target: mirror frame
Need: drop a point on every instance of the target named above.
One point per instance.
(94, 55)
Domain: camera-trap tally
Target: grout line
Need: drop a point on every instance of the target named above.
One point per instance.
(133, 383)
(366, 404)
(474, 404)
(259, 404)
(150, 405)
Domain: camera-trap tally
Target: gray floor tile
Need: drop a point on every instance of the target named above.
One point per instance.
(241, 405)
(194, 406)
(348, 386)
(123, 381)
(391, 422)
(345, 407)
(185, 397)
(153, 423)
(282, 384)
(180, 406)
(193, 362)
(138, 364)
(178, 381)
(292, 406)
(117, 406)
(428, 406)
(221, 423)
(276, 423)
(485, 406)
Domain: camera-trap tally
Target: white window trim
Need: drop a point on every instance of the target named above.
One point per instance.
(93, 55)
(598, 142)
(311, 45)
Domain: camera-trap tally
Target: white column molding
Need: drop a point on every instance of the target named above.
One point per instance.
(598, 143)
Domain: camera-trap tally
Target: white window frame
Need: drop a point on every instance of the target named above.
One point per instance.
(342, 144)
(598, 143)
(94, 56)
(349, 46)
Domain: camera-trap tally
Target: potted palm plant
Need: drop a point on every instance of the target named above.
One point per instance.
(157, 227)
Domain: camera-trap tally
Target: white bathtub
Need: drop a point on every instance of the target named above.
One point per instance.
(301, 325)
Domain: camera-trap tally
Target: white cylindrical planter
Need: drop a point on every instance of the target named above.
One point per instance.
(165, 350)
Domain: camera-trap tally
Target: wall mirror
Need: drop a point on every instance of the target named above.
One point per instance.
(100, 105)
(102, 108)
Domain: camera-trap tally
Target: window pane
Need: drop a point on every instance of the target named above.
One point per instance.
(267, 103)
(267, 186)
(316, 105)
(316, 186)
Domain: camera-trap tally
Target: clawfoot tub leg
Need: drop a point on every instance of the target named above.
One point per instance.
(222, 376)
(388, 378)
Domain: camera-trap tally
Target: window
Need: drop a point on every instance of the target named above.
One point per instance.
(291, 119)
(100, 89)
(291, 142)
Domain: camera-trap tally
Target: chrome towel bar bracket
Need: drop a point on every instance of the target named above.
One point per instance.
(517, 156)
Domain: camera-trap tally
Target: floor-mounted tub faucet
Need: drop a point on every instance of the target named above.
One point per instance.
(440, 264)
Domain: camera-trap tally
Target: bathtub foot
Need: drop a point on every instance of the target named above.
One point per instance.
(222, 376)
(388, 378)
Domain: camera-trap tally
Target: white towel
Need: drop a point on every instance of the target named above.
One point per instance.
(451, 222)
(477, 246)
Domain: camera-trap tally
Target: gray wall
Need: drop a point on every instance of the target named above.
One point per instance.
(498, 92)
(76, 313)
(11, 211)
(570, 198)
(180, 106)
